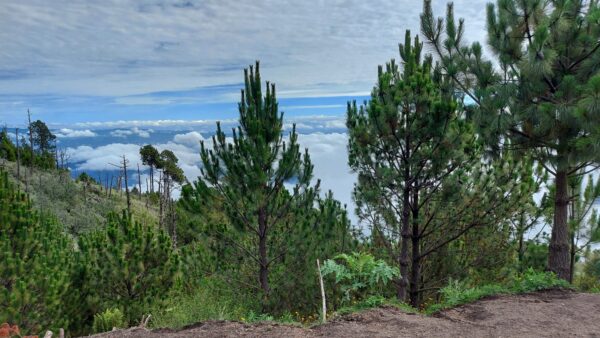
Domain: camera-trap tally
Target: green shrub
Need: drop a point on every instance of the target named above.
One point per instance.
(532, 280)
(36, 258)
(127, 265)
(212, 299)
(359, 275)
(108, 320)
(457, 293)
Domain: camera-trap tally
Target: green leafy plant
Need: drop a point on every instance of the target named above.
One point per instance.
(359, 275)
(108, 319)
(532, 280)
(458, 293)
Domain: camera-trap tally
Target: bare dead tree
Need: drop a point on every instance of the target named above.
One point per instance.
(30, 149)
(123, 179)
(18, 155)
(139, 181)
(160, 200)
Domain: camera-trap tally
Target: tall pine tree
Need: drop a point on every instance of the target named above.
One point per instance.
(540, 94)
(249, 171)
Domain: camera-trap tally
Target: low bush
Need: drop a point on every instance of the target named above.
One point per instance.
(107, 320)
(457, 293)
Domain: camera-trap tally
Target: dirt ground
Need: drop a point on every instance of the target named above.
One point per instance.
(543, 314)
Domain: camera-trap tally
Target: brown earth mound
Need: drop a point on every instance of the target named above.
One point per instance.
(543, 314)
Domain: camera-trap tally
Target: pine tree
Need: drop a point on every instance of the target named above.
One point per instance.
(36, 260)
(248, 172)
(126, 265)
(43, 138)
(406, 136)
(150, 157)
(8, 150)
(419, 167)
(543, 96)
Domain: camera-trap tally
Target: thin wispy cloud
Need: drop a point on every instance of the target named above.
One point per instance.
(119, 56)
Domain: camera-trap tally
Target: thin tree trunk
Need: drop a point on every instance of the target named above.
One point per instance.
(262, 253)
(126, 185)
(18, 155)
(151, 178)
(573, 251)
(403, 260)
(30, 144)
(558, 256)
(415, 273)
(160, 201)
(139, 181)
(173, 223)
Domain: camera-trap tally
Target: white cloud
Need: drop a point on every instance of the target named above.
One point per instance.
(149, 123)
(103, 157)
(192, 138)
(68, 133)
(129, 132)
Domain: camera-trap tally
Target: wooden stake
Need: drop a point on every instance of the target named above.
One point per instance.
(324, 309)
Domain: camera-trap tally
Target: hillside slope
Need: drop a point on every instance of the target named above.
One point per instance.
(77, 207)
(542, 314)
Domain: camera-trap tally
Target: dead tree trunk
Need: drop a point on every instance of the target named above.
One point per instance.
(32, 158)
(18, 155)
(139, 181)
(125, 162)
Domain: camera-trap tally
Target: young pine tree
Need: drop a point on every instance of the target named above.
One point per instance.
(248, 172)
(421, 175)
(540, 95)
(126, 265)
(36, 260)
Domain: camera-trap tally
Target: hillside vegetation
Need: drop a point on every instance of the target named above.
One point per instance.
(79, 206)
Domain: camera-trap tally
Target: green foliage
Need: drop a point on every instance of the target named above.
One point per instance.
(210, 299)
(43, 139)
(246, 176)
(589, 278)
(85, 178)
(373, 302)
(36, 264)
(458, 293)
(541, 99)
(107, 320)
(8, 150)
(359, 275)
(127, 265)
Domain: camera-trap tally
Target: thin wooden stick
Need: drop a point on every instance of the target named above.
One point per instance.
(324, 310)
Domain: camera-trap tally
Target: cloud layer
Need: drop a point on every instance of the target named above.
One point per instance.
(116, 54)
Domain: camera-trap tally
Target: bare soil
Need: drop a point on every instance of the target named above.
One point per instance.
(555, 313)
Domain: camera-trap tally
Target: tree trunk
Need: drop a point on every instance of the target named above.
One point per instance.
(18, 155)
(558, 256)
(415, 273)
(573, 251)
(139, 182)
(405, 232)
(151, 178)
(262, 255)
(126, 185)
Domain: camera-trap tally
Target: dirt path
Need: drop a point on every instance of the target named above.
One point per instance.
(542, 314)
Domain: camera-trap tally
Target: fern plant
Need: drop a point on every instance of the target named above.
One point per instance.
(108, 320)
(359, 275)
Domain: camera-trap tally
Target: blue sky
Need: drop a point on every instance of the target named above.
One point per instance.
(111, 75)
(83, 61)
